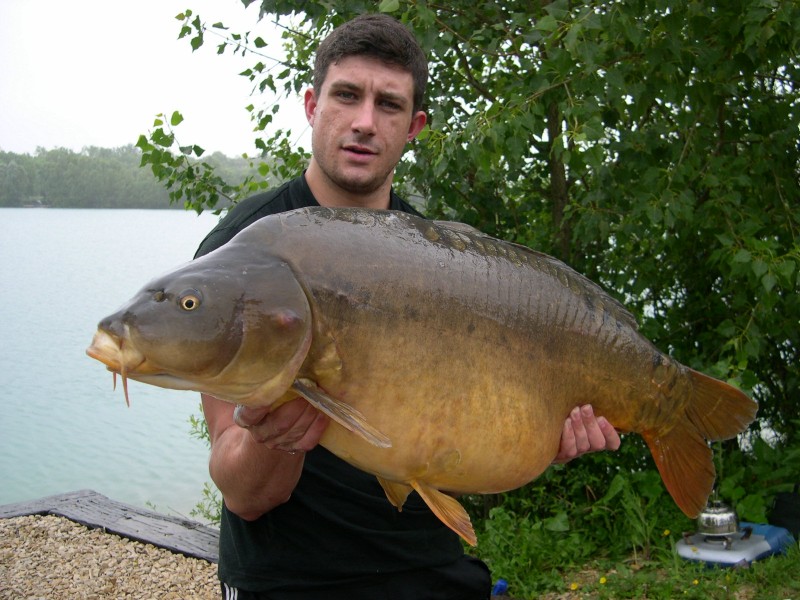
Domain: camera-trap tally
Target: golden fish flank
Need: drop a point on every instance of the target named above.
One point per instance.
(447, 359)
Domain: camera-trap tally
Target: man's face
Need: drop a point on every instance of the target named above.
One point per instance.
(362, 119)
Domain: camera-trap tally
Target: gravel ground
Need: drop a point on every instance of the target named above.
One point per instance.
(48, 557)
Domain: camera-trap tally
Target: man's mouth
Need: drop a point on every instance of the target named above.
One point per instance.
(360, 150)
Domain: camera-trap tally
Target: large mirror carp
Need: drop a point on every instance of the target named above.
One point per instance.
(448, 360)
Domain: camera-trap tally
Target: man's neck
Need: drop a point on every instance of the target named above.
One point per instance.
(329, 194)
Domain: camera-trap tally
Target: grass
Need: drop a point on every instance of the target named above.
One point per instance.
(773, 578)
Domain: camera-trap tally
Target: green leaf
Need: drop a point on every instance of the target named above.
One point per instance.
(389, 6)
(768, 281)
(176, 119)
(160, 138)
(725, 239)
(727, 328)
(558, 9)
(786, 268)
(654, 213)
(546, 23)
(143, 143)
(560, 522)
(752, 508)
(759, 267)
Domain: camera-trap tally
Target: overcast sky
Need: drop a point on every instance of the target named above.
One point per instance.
(78, 73)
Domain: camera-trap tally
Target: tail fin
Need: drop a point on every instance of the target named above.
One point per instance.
(719, 410)
(716, 411)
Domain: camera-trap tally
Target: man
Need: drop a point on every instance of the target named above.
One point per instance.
(297, 522)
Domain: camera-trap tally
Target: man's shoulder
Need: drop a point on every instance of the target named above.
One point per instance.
(289, 196)
(398, 203)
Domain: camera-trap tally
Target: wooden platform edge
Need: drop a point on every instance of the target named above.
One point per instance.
(96, 511)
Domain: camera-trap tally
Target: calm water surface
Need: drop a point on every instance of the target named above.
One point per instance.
(62, 428)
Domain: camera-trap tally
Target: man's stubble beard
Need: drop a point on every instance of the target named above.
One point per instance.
(352, 185)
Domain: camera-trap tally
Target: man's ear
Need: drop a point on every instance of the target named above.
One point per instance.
(310, 101)
(417, 124)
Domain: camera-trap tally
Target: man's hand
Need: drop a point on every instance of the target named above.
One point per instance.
(583, 432)
(244, 464)
(292, 427)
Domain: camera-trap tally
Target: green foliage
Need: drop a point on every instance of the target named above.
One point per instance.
(209, 509)
(513, 546)
(594, 511)
(637, 499)
(749, 480)
(654, 146)
(651, 145)
(587, 510)
(196, 183)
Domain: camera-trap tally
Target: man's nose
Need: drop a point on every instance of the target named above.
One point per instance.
(364, 119)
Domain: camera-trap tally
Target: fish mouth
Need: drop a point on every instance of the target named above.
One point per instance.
(120, 358)
(114, 353)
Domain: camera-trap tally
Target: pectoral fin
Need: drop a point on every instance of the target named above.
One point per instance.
(344, 414)
(395, 492)
(448, 509)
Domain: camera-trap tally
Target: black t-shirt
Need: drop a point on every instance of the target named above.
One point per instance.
(290, 196)
(338, 531)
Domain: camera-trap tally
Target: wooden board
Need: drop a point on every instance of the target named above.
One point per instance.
(100, 512)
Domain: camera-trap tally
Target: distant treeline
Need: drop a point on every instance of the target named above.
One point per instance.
(93, 178)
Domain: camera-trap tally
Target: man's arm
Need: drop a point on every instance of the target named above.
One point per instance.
(250, 461)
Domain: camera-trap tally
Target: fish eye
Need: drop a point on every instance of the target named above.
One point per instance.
(189, 300)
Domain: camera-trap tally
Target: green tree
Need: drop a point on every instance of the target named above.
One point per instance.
(15, 183)
(93, 178)
(653, 145)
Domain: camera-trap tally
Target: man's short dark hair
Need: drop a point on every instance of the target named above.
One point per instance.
(377, 36)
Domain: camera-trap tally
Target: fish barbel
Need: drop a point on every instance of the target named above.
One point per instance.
(448, 360)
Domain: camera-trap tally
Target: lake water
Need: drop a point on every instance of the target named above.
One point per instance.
(62, 427)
